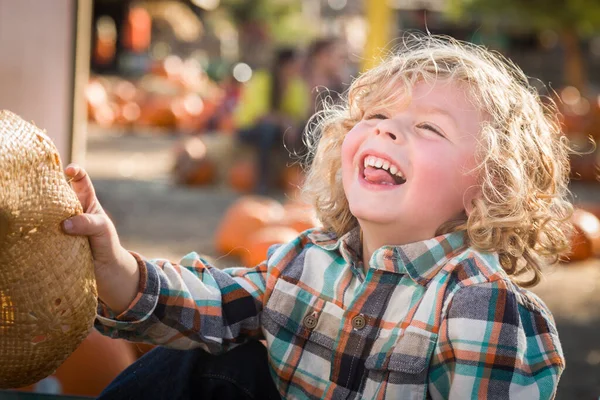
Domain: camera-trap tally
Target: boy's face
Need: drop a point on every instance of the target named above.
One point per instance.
(406, 170)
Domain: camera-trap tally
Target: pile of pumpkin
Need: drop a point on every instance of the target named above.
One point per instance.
(175, 96)
(255, 223)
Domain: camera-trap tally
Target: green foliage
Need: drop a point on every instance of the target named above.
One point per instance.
(582, 15)
(282, 18)
(245, 11)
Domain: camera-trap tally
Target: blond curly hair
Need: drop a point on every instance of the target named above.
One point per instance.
(522, 158)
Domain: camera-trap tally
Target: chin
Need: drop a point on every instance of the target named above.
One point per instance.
(374, 215)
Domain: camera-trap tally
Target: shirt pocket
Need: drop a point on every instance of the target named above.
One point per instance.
(301, 329)
(402, 369)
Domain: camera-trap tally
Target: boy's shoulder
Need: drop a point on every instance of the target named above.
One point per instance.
(480, 272)
(315, 236)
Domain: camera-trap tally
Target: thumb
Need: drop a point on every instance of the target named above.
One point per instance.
(87, 225)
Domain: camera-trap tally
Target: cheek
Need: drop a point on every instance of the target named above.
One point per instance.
(439, 173)
(350, 147)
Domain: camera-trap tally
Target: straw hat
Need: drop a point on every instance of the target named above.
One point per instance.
(47, 286)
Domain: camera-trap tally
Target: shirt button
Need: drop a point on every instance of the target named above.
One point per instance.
(359, 322)
(310, 321)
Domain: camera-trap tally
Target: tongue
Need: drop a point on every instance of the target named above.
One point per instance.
(379, 176)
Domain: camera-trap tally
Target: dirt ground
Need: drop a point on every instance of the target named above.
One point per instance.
(158, 219)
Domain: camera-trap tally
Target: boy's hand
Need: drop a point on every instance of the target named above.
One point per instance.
(117, 274)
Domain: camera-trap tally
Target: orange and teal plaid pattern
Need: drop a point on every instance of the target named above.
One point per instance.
(433, 319)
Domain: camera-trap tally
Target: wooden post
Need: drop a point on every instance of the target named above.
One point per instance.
(40, 75)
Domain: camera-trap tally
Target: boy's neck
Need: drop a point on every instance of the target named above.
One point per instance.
(373, 238)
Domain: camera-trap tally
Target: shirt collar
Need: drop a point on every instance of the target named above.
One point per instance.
(420, 260)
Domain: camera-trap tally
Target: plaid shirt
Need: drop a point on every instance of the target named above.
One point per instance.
(432, 319)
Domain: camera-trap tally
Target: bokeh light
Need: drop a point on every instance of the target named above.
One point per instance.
(242, 72)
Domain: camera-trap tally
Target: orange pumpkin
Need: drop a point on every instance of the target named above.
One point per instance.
(292, 178)
(246, 216)
(157, 111)
(124, 91)
(96, 362)
(170, 67)
(204, 173)
(188, 109)
(242, 176)
(128, 114)
(586, 239)
(255, 250)
(299, 216)
(192, 166)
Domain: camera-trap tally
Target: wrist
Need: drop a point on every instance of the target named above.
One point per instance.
(119, 285)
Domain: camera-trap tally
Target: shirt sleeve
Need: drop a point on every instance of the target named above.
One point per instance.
(191, 304)
(493, 344)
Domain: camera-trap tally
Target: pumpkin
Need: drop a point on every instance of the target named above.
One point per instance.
(243, 176)
(187, 110)
(192, 167)
(91, 367)
(124, 91)
(204, 173)
(255, 249)
(156, 111)
(170, 67)
(299, 216)
(245, 216)
(586, 238)
(128, 114)
(292, 178)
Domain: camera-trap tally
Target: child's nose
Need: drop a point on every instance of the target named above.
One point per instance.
(383, 128)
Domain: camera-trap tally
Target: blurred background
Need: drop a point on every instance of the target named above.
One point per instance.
(188, 116)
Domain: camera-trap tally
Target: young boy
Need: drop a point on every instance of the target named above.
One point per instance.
(441, 185)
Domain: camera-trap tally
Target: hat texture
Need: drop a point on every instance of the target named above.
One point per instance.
(48, 292)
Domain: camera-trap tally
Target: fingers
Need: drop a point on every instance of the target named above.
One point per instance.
(82, 185)
(87, 225)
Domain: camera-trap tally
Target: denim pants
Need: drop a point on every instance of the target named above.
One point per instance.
(167, 374)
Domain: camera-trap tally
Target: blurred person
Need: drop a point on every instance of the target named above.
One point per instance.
(272, 111)
(223, 118)
(326, 67)
(441, 187)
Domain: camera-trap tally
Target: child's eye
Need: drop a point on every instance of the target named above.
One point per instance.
(376, 116)
(431, 128)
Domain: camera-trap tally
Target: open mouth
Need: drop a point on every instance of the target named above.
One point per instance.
(379, 171)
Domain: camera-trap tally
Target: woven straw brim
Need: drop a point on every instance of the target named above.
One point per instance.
(47, 286)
